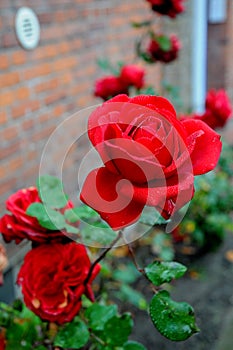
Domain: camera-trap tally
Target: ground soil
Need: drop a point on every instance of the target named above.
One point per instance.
(210, 292)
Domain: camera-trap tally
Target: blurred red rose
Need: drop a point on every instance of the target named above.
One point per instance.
(150, 158)
(132, 75)
(53, 277)
(109, 86)
(169, 8)
(218, 109)
(158, 52)
(19, 225)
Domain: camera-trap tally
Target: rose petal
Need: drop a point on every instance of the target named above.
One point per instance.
(102, 192)
(207, 146)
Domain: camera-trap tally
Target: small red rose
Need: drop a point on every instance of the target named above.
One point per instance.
(218, 109)
(159, 53)
(109, 86)
(18, 225)
(149, 158)
(132, 75)
(53, 279)
(169, 8)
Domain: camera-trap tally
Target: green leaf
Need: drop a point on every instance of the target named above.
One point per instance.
(98, 315)
(162, 246)
(81, 213)
(94, 235)
(133, 345)
(72, 335)
(151, 217)
(51, 191)
(141, 24)
(128, 294)
(22, 332)
(47, 217)
(163, 272)
(117, 330)
(164, 42)
(126, 273)
(173, 320)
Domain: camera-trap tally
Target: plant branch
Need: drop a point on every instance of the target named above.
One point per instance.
(102, 256)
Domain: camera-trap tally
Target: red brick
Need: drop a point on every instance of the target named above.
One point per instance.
(4, 62)
(22, 93)
(10, 133)
(9, 150)
(40, 70)
(7, 98)
(3, 117)
(28, 124)
(9, 40)
(9, 79)
(19, 57)
(25, 108)
(47, 85)
(54, 97)
(15, 164)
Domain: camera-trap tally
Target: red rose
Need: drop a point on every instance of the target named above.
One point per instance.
(132, 75)
(150, 158)
(19, 225)
(53, 280)
(158, 53)
(109, 86)
(169, 8)
(218, 109)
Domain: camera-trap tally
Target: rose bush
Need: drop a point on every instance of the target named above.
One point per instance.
(218, 109)
(19, 225)
(109, 86)
(169, 8)
(149, 158)
(132, 75)
(157, 51)
(53, 279)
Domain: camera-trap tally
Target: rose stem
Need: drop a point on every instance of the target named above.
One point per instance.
(102, 255)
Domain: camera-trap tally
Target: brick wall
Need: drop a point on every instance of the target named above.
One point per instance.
(41, 88)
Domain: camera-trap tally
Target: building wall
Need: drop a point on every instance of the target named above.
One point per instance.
(41, 88)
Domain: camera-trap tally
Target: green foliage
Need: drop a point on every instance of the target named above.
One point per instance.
(47, 217)
(141, 24)
(208, 216)
(105, 65)
(73, 335)
(51, 191)
(164, 272)
(21, 327)
(173, 320)
(162, 246)
(129, 294)
(98, 315)
(164, 42)
(133, 345)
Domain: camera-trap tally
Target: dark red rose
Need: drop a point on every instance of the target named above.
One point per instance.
(109, 86)
(132, 75)
(157, 52)
(53, 277)
(169, 8)
(19, 225)
(218, 109)
(149, 158)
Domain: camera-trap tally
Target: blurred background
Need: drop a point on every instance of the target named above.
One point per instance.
(48, 66)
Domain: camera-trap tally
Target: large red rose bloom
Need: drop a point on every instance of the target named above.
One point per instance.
(149, 158)
(53, 280)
